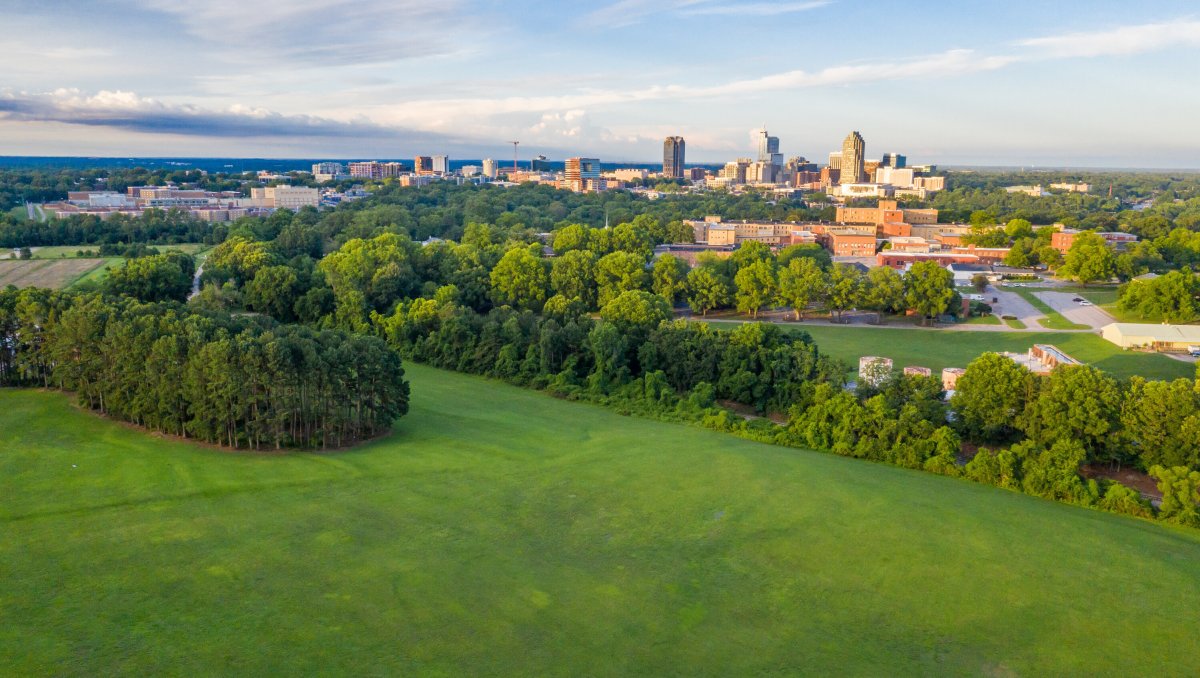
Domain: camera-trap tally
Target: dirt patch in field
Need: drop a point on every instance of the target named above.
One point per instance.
(49, 273)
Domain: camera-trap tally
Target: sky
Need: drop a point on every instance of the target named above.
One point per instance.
(1093, 83)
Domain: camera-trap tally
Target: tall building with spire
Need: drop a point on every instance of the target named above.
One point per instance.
(673, 148)
(853, 150)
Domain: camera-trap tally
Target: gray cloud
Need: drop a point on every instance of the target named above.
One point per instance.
(127, 111)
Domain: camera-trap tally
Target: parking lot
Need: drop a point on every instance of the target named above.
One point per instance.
(1063, 302)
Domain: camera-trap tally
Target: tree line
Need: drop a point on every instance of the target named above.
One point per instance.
(235, 381)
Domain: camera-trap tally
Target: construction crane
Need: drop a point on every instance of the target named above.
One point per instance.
(515, 144)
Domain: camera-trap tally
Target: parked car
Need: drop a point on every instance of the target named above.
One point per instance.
(1194, 351)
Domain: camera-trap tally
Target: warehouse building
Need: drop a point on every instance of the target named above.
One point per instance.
(1168, 338)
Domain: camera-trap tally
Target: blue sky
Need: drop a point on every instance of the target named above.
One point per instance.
(1094, 83)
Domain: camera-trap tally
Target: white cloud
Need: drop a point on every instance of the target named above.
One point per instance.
(630, 12)
(329, 31)
(754, 8)
(1124, 40)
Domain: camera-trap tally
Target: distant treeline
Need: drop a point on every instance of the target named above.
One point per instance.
(236, 381)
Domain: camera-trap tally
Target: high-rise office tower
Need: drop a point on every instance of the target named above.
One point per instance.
(673, 157)
(768, 148)
(441, 164)
(835, 160)
(489, 168)
(894, 160)
(581, 168)
(853, 149)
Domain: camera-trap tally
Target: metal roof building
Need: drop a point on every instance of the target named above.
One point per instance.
(1149, 335)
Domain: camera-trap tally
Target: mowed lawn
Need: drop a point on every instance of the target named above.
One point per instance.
(939, 348)
(502, 532)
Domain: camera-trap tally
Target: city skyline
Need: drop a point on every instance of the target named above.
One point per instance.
(1065, 85)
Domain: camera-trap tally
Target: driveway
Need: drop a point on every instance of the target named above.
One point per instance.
(1092, 316)
(1011, 303)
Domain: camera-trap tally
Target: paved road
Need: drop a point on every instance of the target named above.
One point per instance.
(1092, 316)
(1011, 303)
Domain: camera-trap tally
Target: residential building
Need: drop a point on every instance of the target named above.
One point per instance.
(673, 157)
(328, 171)
(370, 169)
(469, 170)
(852, 163)
(627, 174)
(490, 168)
(930, 183)
(441, 164)
(694, 173)
(760, 173)
(373, 169)
(735, 171)
(422, 164)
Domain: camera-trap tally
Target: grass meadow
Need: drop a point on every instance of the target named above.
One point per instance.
(939, 348)
(500, 531)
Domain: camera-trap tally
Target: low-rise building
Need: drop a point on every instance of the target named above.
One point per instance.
(847, 243)
(285, 197)
(964, 273)
(902, 261)
(918, 371)
(1032, 191)
(1041, 358)
(1062, 239)
(1072, 188)
(1155, 337)
(987, 255)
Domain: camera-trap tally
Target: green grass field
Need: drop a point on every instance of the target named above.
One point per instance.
(70, 251)
(941, 348)
(99, 273)
(503, 532)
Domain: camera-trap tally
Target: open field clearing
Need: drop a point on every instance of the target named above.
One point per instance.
(69, 251)
(499, 531)
(42, 273)
(939, 348)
